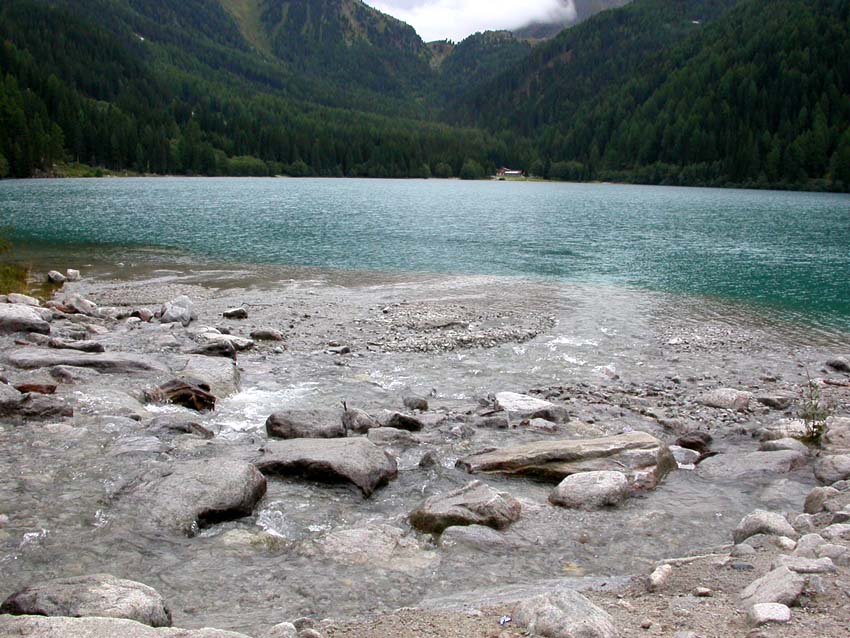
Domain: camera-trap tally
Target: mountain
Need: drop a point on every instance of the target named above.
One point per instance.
(583, 9)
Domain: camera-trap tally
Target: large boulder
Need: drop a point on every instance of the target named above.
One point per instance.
(522, 406)
(304, 424)
(474, 504)
(21, 318)
(42, 627)
(727, 399)
(197, 494)
(833, 468)
(221, 375)
(95, 595)
(641, 457)
(565, 614)
(111, 362)
(731, 467)
(778, 586)
(591, 490)
(354, 460)
(763, 522)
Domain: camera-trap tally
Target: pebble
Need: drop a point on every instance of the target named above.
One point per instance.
(646, 623)
(742, 567)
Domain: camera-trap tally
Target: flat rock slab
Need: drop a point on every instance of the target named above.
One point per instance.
(764, 613)
(474, 504)
(591, 490)
(41, 627)
(641, 457)
(522, 406)
(198, 494)
(305, 424)
(355, 460)
(94, 595)
(730, 467)
(778, 586)
(566, 614)
(21, 318)
(111, 362)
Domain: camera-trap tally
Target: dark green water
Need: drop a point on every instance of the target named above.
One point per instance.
(786, 252)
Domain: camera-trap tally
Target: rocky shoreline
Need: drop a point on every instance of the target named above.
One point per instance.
(140, 412)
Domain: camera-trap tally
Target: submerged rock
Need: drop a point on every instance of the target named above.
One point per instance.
(566, 614)
(95, 595)
(304, 424)
(379, 547)
(41, 627)
(591, 490)
(21, 318)
(167, 425)
(197, 494)
(641, 457)
(354, 460)
(474, 504)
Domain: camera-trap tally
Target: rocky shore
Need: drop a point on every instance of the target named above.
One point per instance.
(432, 457)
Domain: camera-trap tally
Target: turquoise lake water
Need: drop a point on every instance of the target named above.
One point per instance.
(785, 252)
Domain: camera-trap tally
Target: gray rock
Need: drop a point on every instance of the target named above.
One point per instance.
(644, 459)
(763, 522)
(776, 401)
(137, 445)
(25, 300)
(56, 277)
(429, 460)
(170, 425)
(281, 630)
(186, 392)
(39, 406)
(659, 577)
(819, 499)
(197, 494)
(72, 274)
(837, 531)
(478, 537)
(357, 420)
(81, 306)
(522, 406)
(727, 399)
(78, 345)
(742, 550)
(764, 613)
(352, 460)
(803, 565)
(223, 348)
(235, 313)
(41, 627)
(10, 400)
(839, 364)
(833, 468)
(780, 585)
(72, 374)
(808, 544)
(392, 436)
(498, 421)
(95, 595)
(731, 467)
(783, 429)
(777, 445)
(415, 403)
(221, 375)
(21, 318)
(685, 456)
(591, 490)
(304, 424)
(179, 310)
(474, 504)
(401, 421)
(109, 362)
(239, 344)
(696, 440)
(566, 614)
(839, 554)
(267, 334)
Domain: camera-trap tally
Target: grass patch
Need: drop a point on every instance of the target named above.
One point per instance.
(77, 169)
(13, 278)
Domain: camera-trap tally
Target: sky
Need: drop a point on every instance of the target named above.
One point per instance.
(456, 19)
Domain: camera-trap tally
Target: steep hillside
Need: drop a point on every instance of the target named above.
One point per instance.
(583, 10)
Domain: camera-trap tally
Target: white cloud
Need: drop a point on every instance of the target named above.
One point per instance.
(456, 19)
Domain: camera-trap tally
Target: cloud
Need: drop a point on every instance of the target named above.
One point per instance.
(456, 19)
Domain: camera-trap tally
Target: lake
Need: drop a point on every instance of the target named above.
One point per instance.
(786, 252)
